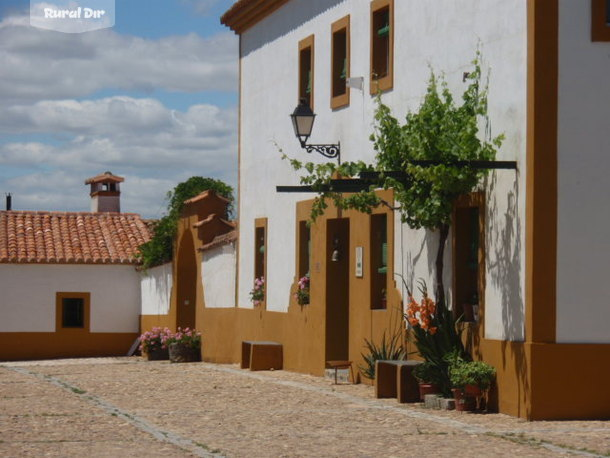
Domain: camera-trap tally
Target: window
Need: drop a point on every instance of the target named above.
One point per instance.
(260, 250)
(306, 70)
(600, 20)
(304, 248)
(382, 45)
(340, 64)
(379, 261)
(72, 311)
(469, 256)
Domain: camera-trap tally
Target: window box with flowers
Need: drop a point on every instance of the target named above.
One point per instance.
(257, 295)
(302, 294)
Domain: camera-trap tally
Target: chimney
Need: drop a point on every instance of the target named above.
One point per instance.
(9, 202)
(105, 192)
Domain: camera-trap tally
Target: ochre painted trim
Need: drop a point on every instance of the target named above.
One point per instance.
(305, 43)
(342, 24)
(246, 13)
(387, 82)
(72, 332)
(541, 171)
(16, 346)
(600, 29)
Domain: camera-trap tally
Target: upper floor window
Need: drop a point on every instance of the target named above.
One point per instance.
(340, 63)
(306, 55)
(382, 45)
(600, 20)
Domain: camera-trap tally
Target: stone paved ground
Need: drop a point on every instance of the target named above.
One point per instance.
(115, 407)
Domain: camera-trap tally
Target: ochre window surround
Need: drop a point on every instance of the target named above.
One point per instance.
(306, 70)
(340, 62)
(382, 45)
(600, 20)
(260, 251)
(64, 301)
(468, 243)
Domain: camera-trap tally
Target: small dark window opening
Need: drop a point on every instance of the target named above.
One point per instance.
(379, 261)
(467, 263)
(112, 186)
(259, 255)
(381, 43)
(608, 12)
(306, 75)
(73, 312)
(304, 248)
(340, 63)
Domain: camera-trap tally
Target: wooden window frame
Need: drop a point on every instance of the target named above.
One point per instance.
(387, 82)
(340, 100)
(304, 44)
(261, 223)
(59, 297)
(600, 29)
(471, 200)
(374, 261)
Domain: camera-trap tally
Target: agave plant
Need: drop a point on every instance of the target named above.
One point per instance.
(389, 349)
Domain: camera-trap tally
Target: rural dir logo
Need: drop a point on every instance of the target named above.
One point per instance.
(72, 16)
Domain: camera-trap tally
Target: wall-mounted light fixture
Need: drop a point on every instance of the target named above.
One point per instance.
(302, 122)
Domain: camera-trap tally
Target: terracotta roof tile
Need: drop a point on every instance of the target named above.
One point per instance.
(220, 240)
(57, 237)
(205, 194)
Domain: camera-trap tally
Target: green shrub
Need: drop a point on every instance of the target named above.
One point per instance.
(388, 350)
(427, 373)
(475, 373)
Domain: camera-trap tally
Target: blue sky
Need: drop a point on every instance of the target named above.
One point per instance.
(153, 99)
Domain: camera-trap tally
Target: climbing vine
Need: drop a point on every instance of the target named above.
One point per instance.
(159, 249)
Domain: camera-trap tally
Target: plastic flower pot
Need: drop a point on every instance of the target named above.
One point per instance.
(157, 354)
(463, 403)
(181, 353)
(427, 388)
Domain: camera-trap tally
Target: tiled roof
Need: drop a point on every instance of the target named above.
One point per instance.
(220, 240)
(69, 238)
(204, 195)
(211, 218)
(243, 14)
(105, 177)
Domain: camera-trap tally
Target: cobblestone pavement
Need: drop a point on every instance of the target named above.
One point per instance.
(124, 407)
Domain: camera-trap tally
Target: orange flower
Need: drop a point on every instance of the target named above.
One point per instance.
(433, 330)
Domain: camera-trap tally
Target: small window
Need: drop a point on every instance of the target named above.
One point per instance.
(469, 258)
(72, 311)
(306, 75)
(600, 20)
(340, 63)
(260, 250)
(304, 248)
(382, 44)
(379, 261)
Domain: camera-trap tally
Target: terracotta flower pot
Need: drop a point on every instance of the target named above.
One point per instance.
(180, 353)
(427, 388)
(463, 403)
(473, 391)
(157, 354)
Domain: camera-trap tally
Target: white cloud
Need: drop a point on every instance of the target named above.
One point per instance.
(40, 64)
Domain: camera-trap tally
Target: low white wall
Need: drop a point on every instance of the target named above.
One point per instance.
(156, 290)
(29, 296)
(218, 267)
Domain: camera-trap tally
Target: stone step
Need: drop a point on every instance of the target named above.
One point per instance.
(342, 375)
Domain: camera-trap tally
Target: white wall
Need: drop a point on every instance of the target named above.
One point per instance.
(29, 291)
(156, 289)
(218, 276)
(583, 313)
(443, 34)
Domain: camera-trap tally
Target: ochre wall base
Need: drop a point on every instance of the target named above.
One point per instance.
(44, 345)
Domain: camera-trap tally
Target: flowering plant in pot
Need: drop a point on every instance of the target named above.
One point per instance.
(469, 380)
(184, 346)
(153, 344)
(302, 294)
(258, 291)
(429, 377)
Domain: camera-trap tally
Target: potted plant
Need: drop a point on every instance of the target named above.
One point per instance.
(153, 344)
(184, 346)
(469, 380)
(429, 377)
(258, 291)
(302, 294)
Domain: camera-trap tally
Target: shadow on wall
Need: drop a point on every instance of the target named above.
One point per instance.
(291, 16)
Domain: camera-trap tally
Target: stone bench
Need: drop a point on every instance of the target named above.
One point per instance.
(394, 379)
(259, 355)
